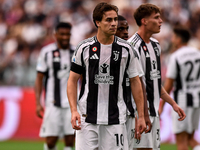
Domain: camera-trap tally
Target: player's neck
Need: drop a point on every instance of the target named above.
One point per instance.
(181, 45)
(145, 35)
(63, 48)
(105, 38)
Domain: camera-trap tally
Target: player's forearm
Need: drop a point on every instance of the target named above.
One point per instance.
(38, 88)
(166, 97)
(72, 93)
(145, 98)
(137, 92)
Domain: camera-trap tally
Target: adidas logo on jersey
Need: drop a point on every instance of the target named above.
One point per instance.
(94, 56)
(147, 55)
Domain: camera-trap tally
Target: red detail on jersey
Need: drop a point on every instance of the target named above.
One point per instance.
(145, 48)
(94, 49)
(56, 54)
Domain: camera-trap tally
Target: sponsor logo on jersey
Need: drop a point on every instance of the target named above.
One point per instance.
(104, 77)
(94, 56)
(154, 74)
(104, 68)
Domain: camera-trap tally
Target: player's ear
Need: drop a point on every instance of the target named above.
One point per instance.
(97, 23)
(144, 21)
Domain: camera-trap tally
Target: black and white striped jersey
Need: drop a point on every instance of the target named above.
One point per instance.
(149, 57)
(103, 67)
(184, 68)
(55, 64)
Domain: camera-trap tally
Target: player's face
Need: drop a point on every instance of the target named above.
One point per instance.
(109, 22)
(122, 29)
(153, 23)
(62, 36)
(176, 40)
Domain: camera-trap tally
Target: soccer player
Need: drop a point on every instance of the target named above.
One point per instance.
(122, 28)
(183, 72)
(122, 32)
(103, 60)
(148, 19)
(53, 65)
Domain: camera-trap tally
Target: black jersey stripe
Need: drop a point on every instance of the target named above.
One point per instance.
(56, 66)
(46, 77)
(157, 54)
(92, 99)
(127, 92)
(115, 61)
(149, 82)
(178, 83)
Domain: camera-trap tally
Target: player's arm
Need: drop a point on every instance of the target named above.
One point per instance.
(72, 97)
(146, 114)
(137, 93)
(168, 87)
(38, 91)
(166, 97)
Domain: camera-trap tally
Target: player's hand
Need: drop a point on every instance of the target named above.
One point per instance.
(179, 111)
(76, 120)
(148, 123)
(39, 110)
(161, 106)
(137, 134)
(141, 126)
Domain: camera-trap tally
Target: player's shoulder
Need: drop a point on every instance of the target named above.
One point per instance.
(72, 47)
(154, 40)
(186, 50)
(135, 40)
(86, 42)
(49, 48)
(122, 42)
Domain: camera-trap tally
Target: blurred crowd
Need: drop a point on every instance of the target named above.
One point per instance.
(27, 25)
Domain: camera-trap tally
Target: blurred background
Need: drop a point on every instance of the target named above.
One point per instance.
(27, 25)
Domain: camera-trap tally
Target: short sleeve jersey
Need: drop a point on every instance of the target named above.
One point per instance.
(184, 68)
(55, 64)
(149, 58)
(103, 67)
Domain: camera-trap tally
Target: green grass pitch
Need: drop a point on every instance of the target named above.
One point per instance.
(38, 145)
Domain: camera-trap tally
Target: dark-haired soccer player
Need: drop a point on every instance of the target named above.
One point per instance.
(103, 61)
(183, 72)
(53, 65)
(122, 28)
(148, 19)
(122, 32)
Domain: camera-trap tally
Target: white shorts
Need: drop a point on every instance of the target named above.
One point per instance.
(56, 122)
(148, 140)
(189, 124)
(101, 137)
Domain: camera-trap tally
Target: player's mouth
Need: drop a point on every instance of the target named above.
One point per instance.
(125, 37)
(113, 29)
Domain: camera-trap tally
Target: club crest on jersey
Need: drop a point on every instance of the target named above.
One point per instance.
(116, 55)
(94, 49)
(157, 51)
(145, 48)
